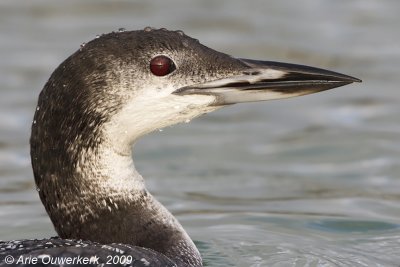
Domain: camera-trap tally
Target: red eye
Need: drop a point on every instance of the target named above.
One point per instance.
(161, 65)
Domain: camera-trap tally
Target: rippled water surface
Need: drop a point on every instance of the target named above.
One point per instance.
(311, 181)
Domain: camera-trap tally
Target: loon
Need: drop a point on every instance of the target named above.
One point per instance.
(98, 103)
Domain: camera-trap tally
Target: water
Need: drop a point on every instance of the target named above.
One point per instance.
(311, 181)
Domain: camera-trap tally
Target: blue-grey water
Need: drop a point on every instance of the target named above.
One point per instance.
(310, 181)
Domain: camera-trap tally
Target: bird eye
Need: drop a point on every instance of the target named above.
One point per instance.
(161, 65)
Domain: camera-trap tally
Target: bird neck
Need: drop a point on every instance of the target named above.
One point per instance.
(93, 192)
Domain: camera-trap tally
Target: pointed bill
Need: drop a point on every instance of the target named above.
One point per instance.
(267, 80)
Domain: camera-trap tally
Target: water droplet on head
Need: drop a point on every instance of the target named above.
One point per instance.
(34, 121)
(181, 33)
(97, 36)
(121, 30)
(37, 108)
(82, 46)
(148, 29)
